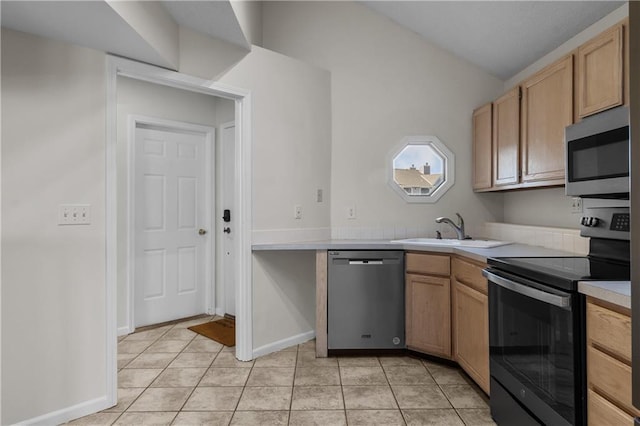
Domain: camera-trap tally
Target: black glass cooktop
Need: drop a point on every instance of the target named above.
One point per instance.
(563, 272)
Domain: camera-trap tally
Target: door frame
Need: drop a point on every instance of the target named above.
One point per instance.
(133, 120)
(116, 66)
(220, 192)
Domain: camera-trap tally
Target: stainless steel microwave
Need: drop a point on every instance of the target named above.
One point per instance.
(597, 155)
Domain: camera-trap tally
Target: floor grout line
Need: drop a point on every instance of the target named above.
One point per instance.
(380, 362)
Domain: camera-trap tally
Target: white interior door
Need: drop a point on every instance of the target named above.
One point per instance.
(169, 221)
(228, 179)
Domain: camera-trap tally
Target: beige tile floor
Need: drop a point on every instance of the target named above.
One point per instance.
(172, 376)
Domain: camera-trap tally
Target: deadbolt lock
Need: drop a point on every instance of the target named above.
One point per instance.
(202, 231)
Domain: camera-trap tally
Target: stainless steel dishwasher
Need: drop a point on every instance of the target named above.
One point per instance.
(365, 304)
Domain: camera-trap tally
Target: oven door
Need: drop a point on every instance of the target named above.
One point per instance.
(535, 347)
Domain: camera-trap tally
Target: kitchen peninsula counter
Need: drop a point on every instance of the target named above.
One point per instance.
(478, 254)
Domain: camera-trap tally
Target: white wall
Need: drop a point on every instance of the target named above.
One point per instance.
(540, 207)
(291, 152)
(284, 298)
(291, 143)
(53, 277)
(53, 152)
(141, 98)
(524, 207)
(386, 83)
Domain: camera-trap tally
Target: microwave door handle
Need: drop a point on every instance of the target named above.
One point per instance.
(554, 299)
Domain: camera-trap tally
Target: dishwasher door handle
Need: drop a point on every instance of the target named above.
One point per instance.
(543, 296)
(365, 262)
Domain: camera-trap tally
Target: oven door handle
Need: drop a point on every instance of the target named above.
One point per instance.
(554, 299)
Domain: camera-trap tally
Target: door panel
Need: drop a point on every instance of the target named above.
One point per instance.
(169, 209)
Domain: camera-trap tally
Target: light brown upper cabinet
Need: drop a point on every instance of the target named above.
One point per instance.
(482, 148)
(600, 69)
(547, 108)
(506, 138)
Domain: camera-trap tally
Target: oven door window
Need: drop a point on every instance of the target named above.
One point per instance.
(533, 342)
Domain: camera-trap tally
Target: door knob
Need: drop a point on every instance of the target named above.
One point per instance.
(202, 231)
(227, 230)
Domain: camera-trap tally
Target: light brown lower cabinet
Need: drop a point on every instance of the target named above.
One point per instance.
(428, 314)
(471, 320)
(471, 333)
(428, 303)
(447, 311)
(609, 365)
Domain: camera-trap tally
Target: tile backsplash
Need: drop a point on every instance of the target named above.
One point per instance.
(553, 238)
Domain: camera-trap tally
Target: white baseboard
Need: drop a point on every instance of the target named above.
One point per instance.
(70, 413)
(284, 343)
(122, 331)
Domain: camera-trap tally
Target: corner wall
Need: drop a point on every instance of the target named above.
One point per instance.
(291, 151)
(386, 83)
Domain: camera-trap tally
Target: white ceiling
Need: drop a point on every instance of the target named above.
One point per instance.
(96, 25)
(215, 18)
(502, 37)
(92, 24)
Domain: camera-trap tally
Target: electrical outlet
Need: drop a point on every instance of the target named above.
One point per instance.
(74, 214)
(576, 205)
(351, 212)
(319, 196)
(297, 211)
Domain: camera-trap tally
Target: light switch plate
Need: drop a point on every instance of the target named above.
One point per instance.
(576, 205)
(297, 211)
(74, 214)
(351, 212)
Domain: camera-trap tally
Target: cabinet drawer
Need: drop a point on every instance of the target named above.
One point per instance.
(470, 274)
(431, 264)
(611, 378)
(601, 412)
(609, 330)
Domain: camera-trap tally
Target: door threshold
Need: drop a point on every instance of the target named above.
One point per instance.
(172, 322)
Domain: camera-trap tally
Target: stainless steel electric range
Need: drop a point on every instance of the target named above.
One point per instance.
(537, 325)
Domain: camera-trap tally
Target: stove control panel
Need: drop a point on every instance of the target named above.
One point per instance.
(620, 222)
(605, 218)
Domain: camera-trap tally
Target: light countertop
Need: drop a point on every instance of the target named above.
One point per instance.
(479, 254)
(617, 292)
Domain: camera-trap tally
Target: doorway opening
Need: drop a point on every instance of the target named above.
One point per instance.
(240, 267)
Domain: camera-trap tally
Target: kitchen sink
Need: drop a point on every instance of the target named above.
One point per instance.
(452, 242)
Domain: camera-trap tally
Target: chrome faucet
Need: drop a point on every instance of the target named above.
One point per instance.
(459, 228)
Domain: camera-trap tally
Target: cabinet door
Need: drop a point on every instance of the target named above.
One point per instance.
(482, 147)
(428, 314)
(471, 333)
(506, 138)
(600, 72)
(547, 108)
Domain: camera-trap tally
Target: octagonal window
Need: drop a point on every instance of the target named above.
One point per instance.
(421, 169)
